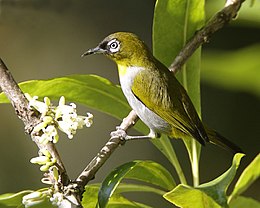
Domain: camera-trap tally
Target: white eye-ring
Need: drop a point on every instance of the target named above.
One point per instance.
(114, 45)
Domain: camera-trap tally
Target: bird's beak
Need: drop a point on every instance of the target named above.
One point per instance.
(96, 50)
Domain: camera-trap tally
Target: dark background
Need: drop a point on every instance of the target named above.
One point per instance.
(44, 39)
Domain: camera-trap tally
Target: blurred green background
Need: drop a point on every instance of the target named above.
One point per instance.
(42, 39)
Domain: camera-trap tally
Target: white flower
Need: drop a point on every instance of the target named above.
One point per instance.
(57, 199)
(40, 160)
(63, 116)
(49, 134)
(41, 107)
(88, 120)
(44, 159)
(33, 198)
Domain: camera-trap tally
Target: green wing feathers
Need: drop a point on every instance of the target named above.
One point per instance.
(170, 101)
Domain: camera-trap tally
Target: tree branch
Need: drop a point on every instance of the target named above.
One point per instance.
(28, 116)
(218, 21)
(97, 162)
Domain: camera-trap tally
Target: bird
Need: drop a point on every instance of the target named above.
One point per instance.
(154, 93)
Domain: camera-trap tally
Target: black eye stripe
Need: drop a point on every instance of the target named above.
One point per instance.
(103, 45)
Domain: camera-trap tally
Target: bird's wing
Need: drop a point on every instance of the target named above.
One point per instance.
(170, 101)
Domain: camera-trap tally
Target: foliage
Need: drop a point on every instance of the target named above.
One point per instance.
(148, 176)
(238, 69)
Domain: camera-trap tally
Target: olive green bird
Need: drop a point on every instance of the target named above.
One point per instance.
(154, 93)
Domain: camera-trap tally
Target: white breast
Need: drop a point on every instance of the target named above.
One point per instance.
(152, 120)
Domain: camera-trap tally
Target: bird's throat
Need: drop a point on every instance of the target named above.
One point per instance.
(122, 69)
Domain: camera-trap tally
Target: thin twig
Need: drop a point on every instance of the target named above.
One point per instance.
(27, 115)
(218, 21)
(97, 162)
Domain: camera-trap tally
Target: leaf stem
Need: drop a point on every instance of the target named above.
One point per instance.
(174, 160)
(195, 164)
(165, 146)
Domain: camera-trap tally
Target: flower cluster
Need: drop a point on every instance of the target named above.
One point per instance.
(46, 196)
(63, 117)
(36, 198)
(44, 159)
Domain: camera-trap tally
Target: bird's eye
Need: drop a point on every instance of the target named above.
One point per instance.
(114, 46)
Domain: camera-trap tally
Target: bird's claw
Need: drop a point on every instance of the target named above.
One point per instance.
(119, 133)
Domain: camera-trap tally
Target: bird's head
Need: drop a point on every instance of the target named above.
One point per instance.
(124, 48)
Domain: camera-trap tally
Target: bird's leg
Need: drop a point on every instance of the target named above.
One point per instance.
(124, 137)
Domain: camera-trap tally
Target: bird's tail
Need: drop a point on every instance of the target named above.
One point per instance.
(221, 141)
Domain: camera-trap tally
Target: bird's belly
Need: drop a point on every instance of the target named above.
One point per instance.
(155, 123)
(152, 120)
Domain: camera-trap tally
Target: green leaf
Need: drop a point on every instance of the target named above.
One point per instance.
(236, 70)
(249, 176)
(174, 24)
(187, 197)
(119, 201)
(90, 199)
(146, 171)
(165, 146)
(244, 202)
(90, 90)
(90, 196)
(218, 187)
(130, 187)
(13, 199)
(211, 194)
(152, 173)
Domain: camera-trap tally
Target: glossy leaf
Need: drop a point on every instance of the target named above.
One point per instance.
(152, 173)
(174, 23)
(90, 196)
(243, 202)
(187, 197)
(90, 199)
(218, 187)
(13, 199)
(131, 187)
(119, 201)
(211, 194)
(90, 90)
(249, 176)
(146, 171)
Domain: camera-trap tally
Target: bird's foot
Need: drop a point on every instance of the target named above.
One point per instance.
(121, 133)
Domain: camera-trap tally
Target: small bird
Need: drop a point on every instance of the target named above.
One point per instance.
(154, 93)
